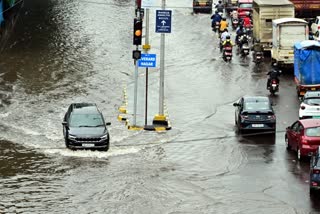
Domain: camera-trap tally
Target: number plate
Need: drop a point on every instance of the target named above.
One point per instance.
(274, 85)
(313, 89)
(87, 145)
(257, 125)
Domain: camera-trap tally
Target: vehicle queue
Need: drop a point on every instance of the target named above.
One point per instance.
(255, 113)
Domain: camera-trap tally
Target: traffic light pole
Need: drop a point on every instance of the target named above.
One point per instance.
(135, 92)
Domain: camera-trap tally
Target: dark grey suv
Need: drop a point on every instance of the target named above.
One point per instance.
(85, 128)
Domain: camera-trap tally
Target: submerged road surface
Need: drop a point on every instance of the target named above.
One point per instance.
(81, 51)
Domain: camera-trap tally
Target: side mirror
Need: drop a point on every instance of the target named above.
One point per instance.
(235, 104)
(108, 123)
(64, 123)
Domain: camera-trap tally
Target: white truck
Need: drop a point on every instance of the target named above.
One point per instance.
(264, 11)
(285, 33)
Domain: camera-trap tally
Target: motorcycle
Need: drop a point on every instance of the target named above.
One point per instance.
(274, 86)
(244, 45)
(227, 53)
(258, 57)
(235, 23)
(216, 27)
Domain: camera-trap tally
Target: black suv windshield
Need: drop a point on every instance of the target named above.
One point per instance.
(86, 120)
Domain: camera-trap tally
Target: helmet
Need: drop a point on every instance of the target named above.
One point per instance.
(224, 18)
(228, 37)
(225, 30)
(274, 65)
(219, 2)
(216, 12)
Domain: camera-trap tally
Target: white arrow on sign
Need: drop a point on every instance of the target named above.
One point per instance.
(163, 22)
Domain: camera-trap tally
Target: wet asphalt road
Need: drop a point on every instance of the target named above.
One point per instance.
(71, 51)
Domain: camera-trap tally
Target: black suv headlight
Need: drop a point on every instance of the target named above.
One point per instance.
(71, 137)
(105, 136)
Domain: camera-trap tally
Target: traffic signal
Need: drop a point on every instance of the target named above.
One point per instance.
(137, 31)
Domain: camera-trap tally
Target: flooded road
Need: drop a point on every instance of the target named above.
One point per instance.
(81, 51)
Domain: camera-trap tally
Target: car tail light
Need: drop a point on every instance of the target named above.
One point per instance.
(316, 171)
(303, 107)
(304, 140)
(314, 184)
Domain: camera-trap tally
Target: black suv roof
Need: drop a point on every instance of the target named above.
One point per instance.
(85, 108)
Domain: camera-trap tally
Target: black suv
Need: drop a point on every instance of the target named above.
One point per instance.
(254, 113)
(84, 127)
(202, 5)
(315, 172)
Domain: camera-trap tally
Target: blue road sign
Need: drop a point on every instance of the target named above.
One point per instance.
(163, 21)
(147, 60)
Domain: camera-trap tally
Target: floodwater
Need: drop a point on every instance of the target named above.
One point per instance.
(81, 51)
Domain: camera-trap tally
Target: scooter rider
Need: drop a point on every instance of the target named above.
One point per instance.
(223, 24)
(220, 7)
(227, 41)
(239, 33)
(223, 37)
(273, 74)
(256, 47)
(215, 18)
(234, 14)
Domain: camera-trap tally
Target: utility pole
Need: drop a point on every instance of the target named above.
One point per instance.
(146, 48)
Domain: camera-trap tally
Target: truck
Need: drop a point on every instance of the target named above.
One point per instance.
(285, 33)
(264, 11)
(230, 5)
(307, 66)
(306, 8)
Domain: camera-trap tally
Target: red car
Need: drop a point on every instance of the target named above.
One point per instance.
(303, 136)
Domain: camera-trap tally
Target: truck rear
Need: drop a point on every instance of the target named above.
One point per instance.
(285, 33)
(306, 8)
(230, 5)
(264, 11)
(307, 66)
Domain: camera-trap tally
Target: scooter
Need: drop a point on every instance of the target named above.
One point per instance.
(235, 23)
(258, 57)
(216, 27)
(274, 86)
(227, 53)
(244, 51)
